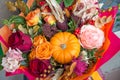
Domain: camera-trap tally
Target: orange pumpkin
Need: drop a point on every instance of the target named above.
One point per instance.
(65, 47)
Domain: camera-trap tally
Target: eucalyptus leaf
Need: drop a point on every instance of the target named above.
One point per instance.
(26, 61)
(23, 63)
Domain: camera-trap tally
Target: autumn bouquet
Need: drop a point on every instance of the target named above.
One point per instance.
(55, 39)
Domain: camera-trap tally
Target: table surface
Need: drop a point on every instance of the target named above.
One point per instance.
(111, 69)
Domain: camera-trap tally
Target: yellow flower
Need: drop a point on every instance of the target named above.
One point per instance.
(50, 19)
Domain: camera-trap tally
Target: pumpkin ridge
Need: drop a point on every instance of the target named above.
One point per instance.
(69, 53)
(56, 55)
(67, 35)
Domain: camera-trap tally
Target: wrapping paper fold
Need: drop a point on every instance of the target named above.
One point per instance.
(5, 32)
(110, 47)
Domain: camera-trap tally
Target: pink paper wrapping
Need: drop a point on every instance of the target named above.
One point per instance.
(112, 50)
(114, 46)
(5, 32)
(22, 70)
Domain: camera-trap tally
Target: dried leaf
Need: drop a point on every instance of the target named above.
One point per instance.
(11, 6)
(22, 6)
(72, 67)
(103, 19)
(21, 28)
(109, 19)
(36, 28)
(58, 74)
(68, 73)
(98, 23)
(31, 31)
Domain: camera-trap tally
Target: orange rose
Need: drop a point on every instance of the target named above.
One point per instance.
(39, 40)
(42, 48)
(33, 17)
(43, 51)
(32, 55)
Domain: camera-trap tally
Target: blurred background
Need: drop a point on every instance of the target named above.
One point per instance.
(110, 70)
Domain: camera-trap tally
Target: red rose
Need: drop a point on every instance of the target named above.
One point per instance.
(40, 68)
(20, 40)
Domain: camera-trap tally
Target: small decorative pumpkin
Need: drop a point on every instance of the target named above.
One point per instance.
(65, 47)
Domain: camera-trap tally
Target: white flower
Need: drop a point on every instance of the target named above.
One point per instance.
(15, 54)
(86, 9)
(10, 64)
(84, 56)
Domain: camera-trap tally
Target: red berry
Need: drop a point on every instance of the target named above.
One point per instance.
(70, 8)
(77, 31)
(41, 3)
(48, 8)
(91, 22)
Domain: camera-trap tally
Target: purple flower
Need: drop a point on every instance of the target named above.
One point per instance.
(81, 66)
(20, 40)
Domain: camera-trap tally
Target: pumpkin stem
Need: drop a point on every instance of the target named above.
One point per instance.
(63, 46)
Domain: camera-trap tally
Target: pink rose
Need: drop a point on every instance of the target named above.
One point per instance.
(91, 37)
(20, 40)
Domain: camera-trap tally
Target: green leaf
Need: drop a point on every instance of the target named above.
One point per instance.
(34, 5)
(1, 56)
(118, 6)
(59, 1)
(17, 20)
(68, 2)
(6, 22)
(71, 25)
(25, 62)
(40, 30)
(26, 10)
(91, 53)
